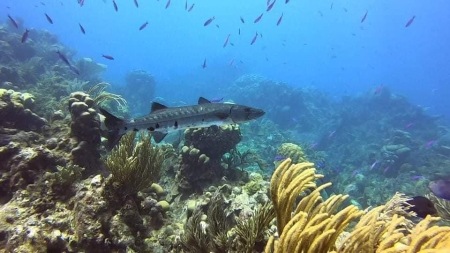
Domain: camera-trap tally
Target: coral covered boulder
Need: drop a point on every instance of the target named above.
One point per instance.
(15, 111)
(213, 141)
(85, 129)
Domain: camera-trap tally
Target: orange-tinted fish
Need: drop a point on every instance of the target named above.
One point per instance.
(364, 17)
(242, 20)
(82, 28)
(204, 64)
(279, 20)
(226, 41)
(49, 19)
(190, 8)
(254, 38)
(143, 26)
(167, 4)
(270, 6)
(13, 22)
(25, 36)
(115, 6)
(410, 21)
(207, 22)
(109, 57)
(136, 3)
(258, 18)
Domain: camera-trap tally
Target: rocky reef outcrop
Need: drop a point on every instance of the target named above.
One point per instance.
(201, 155)
(85, 129)
(15, 111)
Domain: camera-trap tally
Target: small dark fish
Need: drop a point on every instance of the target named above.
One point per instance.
(144, 25)
(109, 57)
(190, 8)
(185, 5)
(226, 41)
(239, 31)
(82, 28)
(422, 206)
(254, 39)
(364, 17)
(242, 20)
(13, 22)
(63, 58)
(115, 6)
(204, 64)
(232, 44)
(167, 4)
(207, 22)
(49, 19)
(75, 70)
(81, 2)
(25, 36)
(410, 21)
(136, 3)
(270, 6)
(440, 188)
(331, 7)
(279, 20)
(287, 1)
(258, 18)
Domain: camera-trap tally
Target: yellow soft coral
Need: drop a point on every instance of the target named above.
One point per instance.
(314, 225)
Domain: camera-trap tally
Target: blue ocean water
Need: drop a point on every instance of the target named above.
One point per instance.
(321, 44)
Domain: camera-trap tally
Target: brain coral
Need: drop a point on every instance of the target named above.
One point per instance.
(293, 151)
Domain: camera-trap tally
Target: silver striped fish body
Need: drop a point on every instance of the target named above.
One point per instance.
(163, 120)
(179, 118)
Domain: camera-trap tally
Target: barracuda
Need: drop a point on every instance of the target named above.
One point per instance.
(163, 119)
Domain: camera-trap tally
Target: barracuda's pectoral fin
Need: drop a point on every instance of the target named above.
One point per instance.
(158, 136)
(202, 100)
(157, 106)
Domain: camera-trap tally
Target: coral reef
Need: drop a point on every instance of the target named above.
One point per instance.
(139, 88)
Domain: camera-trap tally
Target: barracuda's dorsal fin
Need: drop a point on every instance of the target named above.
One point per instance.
(202, 100)
(157, 106)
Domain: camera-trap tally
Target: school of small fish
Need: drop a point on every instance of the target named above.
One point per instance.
(269, 5)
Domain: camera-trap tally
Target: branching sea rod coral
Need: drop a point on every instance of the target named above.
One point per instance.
(313, 227)
(134, 166)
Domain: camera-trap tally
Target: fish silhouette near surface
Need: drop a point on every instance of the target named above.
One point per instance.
(163, 120)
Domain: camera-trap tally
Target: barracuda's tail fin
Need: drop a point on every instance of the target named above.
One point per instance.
(113, 125)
